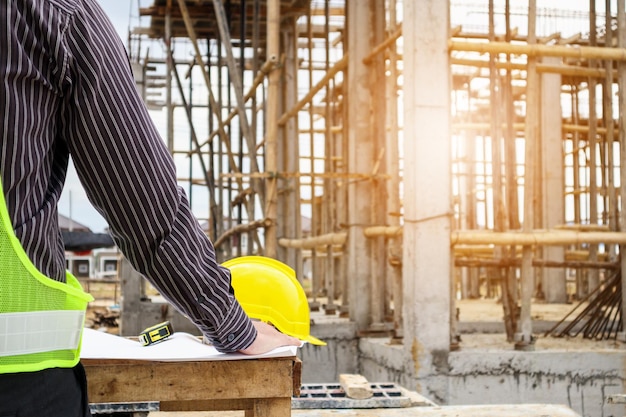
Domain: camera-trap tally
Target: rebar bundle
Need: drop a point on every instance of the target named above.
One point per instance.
(601, 319)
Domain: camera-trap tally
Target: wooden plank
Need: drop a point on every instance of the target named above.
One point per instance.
(203, 405)
(297, 377)
(271, 407)
(131, 381)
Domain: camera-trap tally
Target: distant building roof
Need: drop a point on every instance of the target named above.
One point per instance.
(65, 223)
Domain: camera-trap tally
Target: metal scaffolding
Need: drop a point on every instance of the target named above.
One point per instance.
(287, 116)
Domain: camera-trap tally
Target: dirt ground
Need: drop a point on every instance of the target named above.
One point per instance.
(481, 310)
(486, 310)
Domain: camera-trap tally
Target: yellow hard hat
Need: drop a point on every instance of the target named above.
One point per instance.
(268, 290)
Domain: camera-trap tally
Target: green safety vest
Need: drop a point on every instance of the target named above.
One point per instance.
(41, 320)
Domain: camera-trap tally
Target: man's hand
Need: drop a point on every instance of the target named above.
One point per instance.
(268, 338)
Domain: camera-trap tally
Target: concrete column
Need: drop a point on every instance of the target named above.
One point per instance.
(553, 279)
(360, 161)
(394, 203)
(427, 194)
(378, 208)
(289, 154)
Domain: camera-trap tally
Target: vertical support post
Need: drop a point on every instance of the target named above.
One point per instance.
(169, 64)
(621, 68)
(470, 200)
(360, 160)
(553, 183)
(314, 305)
(290, 142)
(593, 279)
(609, 140)
(510, 296)
(394, 268)
(498, 205)
(271, 133)
(524, 338)
(328, 209)
(255, 120)
(342, 200)
(426, 262)
(378, 210)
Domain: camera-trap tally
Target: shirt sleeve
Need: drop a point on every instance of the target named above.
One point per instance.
(130, 178)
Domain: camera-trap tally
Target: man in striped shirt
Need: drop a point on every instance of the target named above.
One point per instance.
(67, 89)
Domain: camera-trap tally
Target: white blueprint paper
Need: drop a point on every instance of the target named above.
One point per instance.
(178, 347)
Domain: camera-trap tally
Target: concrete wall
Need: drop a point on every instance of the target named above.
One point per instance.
(323, 364)
(581, 380)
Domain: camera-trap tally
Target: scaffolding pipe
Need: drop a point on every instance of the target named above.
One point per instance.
(524, 334)
(538, 50)
(537, 263)
(537, 237)
(315, 241)
(549, 237)
(168, 79)
(484, 126)
(593, 143)
(271, 133)
(383, 45)
(339, 66)
(384, 231)
(265, 69)
(242, 228)
(569, 70)
(621, 42)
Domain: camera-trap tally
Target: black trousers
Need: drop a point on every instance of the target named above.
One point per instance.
(52, 392)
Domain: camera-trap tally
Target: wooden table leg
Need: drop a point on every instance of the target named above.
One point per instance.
(270, 407)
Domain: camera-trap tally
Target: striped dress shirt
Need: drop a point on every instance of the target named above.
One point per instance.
(67, 89)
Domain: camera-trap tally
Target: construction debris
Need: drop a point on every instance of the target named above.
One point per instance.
(103, 318)
(356, 386)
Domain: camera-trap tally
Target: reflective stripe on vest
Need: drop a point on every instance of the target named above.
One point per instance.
(40, 331)
(41, 320)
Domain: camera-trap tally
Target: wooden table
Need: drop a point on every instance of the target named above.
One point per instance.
(262, 387)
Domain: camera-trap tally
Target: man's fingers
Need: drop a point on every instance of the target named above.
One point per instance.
(268, 338)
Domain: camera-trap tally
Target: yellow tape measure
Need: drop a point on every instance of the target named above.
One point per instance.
(156, 333)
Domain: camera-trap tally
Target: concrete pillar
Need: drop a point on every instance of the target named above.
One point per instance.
(427, 194)
(378, 208)
(289, 154)
(360, 161)
(553, 184)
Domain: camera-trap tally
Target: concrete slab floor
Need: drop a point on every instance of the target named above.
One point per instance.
(504, 410)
